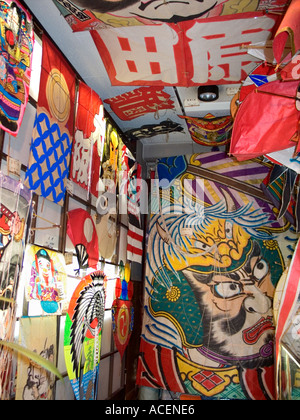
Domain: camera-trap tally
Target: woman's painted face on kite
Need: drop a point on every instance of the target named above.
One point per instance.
(160, 10)
(44, 266)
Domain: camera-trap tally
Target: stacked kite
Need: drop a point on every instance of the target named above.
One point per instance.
(267, 119)
(16, 47)
(51, 146)
(122, 310)
(270, 97)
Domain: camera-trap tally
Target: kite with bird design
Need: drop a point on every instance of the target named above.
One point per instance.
(83, 330)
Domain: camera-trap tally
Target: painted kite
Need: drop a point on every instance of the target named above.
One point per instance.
(83, 332)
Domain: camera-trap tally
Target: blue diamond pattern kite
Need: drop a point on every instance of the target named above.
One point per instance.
(51, 145)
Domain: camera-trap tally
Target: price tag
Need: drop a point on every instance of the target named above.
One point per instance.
(14, 166)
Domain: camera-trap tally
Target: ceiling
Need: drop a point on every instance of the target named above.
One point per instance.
(80, 49)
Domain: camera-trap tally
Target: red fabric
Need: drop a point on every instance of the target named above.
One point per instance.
(259, 383)
(263, 69)
(157, 368)
(288, 300)
(53, 60)
(292, 70)
(265, 123)
(89, 104)
(88, 145)
(289, 28)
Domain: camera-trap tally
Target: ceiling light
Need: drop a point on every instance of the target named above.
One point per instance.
(208, 93)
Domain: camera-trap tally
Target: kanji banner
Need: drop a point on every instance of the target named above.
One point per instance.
(205, 51)
(51, 145)
(16, 47)
(88, 140)
(141, 101)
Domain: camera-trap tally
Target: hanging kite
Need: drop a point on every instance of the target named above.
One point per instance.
(286, 309)
(110, 161)
(289, 30)
(291, 70)
(106, 228)
(82, 232)
(122, 310)
(15, 209)
(210, 277)
(122, 321)
(273, 108)
(88, 140)
(90, 14)
(16, 51)
(139, 102)
(210, 131)
(44, 273)
(281, 186)
(83, 331)
(93, 14)
(286, 43)
(189, 53)
(33, 382)
(135, 236)
(51, 145)
(264, 73)
(151, 130)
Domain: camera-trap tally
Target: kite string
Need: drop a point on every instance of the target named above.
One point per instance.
(295, 98)
(36, 216)
(96, 360)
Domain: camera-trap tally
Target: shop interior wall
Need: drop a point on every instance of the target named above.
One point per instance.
(113, 370)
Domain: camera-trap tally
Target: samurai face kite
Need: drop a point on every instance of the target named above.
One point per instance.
(226, 263)
(160, 10)
(236, 308)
